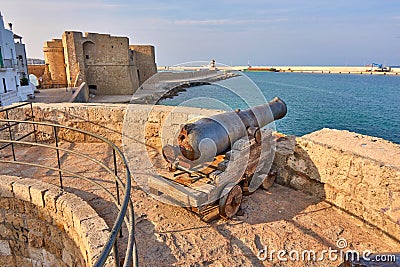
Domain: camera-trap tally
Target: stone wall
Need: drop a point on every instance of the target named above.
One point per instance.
(107, 64)
(54, 58)
(41, 225)
(111, 80)
(358, 174)
(73, 54)
(37, 70)
(145, 58)
(107, 120)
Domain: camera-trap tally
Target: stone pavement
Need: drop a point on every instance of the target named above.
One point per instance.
(110, 99)
(55, 95)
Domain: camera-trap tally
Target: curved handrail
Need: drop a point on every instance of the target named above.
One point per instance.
(126, 205)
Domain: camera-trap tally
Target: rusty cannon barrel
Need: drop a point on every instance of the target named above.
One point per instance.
(207, 137)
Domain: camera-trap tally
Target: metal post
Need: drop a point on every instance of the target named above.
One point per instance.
(135, 258)
(116, 174)
(58, 155)
(116, 262)
(34, 125)
(10, 133)
(117, 185)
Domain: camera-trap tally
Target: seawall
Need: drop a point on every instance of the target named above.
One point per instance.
(358, 174)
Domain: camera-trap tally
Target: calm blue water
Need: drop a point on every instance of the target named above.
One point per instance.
(367, 104)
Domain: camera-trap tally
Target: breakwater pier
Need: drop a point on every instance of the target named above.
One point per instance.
(168, 84)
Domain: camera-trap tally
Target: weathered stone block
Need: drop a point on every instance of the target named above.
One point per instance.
(49, 257)
(374, 218)
(21, 189)
(5, 249)
(37, 194)
(96, 241)
(283, 175)
(50, 198)
(31, 209)
(7, 260)
(6, 185)
(15, 219)
(21, 261)
(392, 228)
(67, 257)
(297, 164)
(82, 211)
(36, 254)
(285, 145)
(5, 203)
(19, 248)
(35, 239)
(5, 230)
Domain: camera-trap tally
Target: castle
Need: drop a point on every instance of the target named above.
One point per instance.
(108, 64)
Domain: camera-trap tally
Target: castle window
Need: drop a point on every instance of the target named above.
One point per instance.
(112, 46)
(87, 56)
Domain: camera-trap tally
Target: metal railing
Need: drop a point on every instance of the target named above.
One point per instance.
(8, 126)
(125, 206)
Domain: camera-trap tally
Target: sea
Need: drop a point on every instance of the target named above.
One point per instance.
(366, 104)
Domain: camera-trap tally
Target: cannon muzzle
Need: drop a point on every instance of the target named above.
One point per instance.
(204, 139)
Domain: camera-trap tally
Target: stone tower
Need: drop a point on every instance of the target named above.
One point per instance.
(54, 58)
(145, 58)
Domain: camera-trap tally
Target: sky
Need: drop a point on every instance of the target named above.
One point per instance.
(233, 32)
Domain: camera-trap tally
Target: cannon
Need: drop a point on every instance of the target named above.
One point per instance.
(218, 159)
(208, 137)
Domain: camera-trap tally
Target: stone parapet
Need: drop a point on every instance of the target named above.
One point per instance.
(358, 174)
(42, 225)
(107, 120)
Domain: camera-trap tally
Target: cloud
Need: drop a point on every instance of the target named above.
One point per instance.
(73, 4)
(228, 22)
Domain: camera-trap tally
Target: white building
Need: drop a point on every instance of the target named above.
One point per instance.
(21, 57)
(12, 69)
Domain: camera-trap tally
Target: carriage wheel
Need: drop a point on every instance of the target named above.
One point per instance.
(229, 203)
